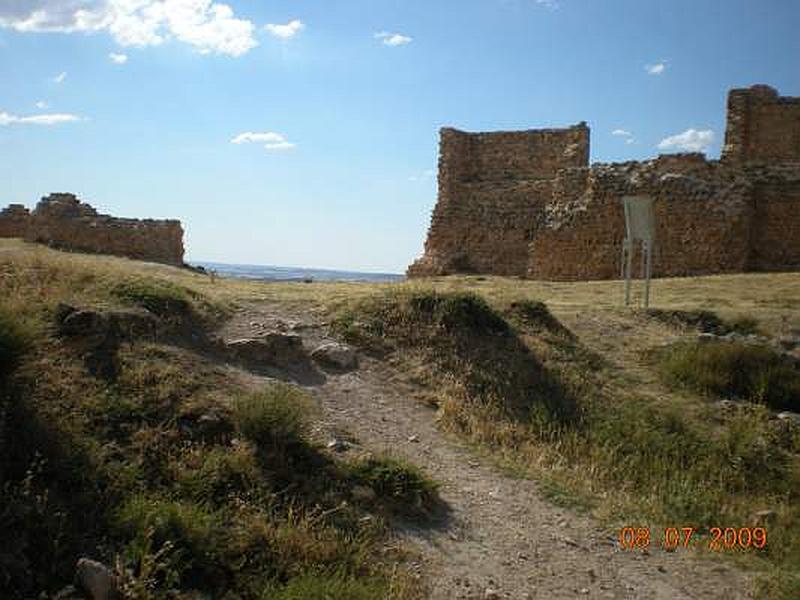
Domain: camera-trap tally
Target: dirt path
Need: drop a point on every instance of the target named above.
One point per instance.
(501, 540)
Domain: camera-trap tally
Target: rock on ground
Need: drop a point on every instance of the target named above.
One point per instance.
(283, 350)
(97, 579)
(334, 354)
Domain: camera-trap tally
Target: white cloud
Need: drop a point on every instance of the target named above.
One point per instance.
(279, 146)
(250, 136)
(270, 139)
(690, 140)
(425, 175)
(203, 24)
(43, 119)
(287, 31)
(41, 105)
(625, 134)
(394, 39)
(118, 59)
(657, 68)
(60, 77)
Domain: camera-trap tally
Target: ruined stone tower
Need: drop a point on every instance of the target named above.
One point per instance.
(528, 204)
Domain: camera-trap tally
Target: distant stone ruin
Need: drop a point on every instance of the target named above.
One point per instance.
(62, 221)
(528, 204)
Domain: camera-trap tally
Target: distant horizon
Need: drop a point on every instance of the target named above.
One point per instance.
(292, 267)
(292, 132)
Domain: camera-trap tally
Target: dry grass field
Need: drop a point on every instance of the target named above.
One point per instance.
(614, 411)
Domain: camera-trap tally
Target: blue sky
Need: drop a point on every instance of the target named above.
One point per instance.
(135, 105)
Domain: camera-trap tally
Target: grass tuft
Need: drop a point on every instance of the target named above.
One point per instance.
(400, 483)
(276, 418)
(706, 321)
(160, 297)
(326, 587)
(747, 371)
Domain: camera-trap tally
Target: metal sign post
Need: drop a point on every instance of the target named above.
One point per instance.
(640, 224)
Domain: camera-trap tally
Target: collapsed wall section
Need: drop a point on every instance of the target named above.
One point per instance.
(62, 221)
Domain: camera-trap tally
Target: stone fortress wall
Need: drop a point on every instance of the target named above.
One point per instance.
(549, 215)
(62, 221)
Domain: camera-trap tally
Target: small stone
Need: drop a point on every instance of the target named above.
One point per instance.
(726, 405)
(338, 445)
(334, 354)
(583, 591)
(97, 579)
(789, 342)
(413, 438)
(491, 594)
(570, 542)
(764, 516)
(69, 592)
(277, 349)
(789, 417)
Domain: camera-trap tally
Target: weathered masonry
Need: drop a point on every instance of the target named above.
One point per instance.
(528, 204)
(62, 221)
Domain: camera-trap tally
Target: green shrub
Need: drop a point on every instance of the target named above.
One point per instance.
(747, 371)
(15, 338)
(396, 481)
(161, 298)
(327, 587)
(276, 419)
(743, 324)
(213, 475)
(189, 529)
(461, 312)
(669, 459)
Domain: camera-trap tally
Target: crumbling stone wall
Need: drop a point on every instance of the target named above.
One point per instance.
(775, 230)
(703, 215)
(62, 221)
(564, 220)
(14, 221)
(762, 127)
(491, 183)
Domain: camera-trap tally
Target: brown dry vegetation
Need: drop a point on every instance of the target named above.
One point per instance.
(171, 471)
(570, 392)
